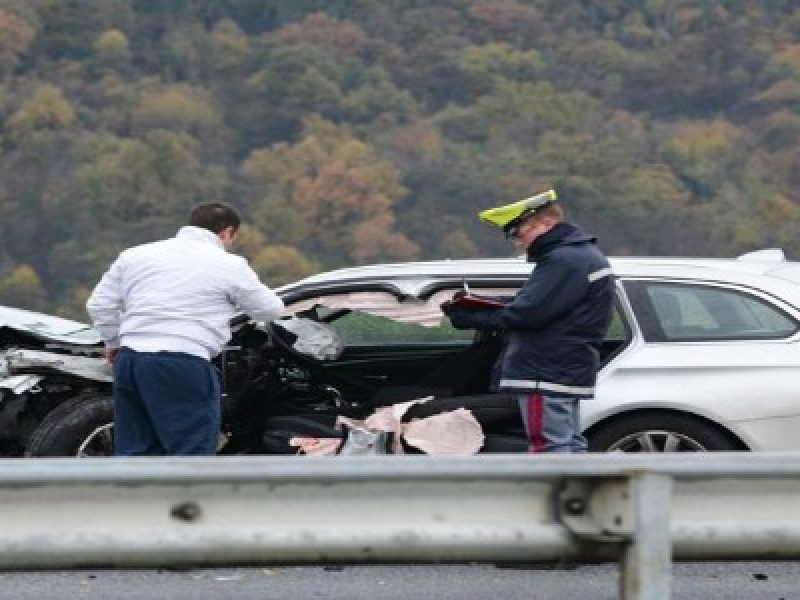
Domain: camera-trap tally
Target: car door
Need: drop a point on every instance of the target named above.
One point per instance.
(726, 355)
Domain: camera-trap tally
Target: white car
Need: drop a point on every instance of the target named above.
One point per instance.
(702, 354)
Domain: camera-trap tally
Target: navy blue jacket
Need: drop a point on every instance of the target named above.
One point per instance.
(557, 319)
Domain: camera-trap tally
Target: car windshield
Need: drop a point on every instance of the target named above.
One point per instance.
(382, 304)
(378, 318)
(423, 312)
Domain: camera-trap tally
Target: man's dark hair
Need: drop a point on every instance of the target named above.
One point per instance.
(214, 216)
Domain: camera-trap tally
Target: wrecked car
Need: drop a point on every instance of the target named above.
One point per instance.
(46, 363)
(702, 354)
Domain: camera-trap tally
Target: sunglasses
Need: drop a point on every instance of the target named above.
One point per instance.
(515, 230)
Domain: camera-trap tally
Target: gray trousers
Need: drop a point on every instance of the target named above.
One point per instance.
(553, 423)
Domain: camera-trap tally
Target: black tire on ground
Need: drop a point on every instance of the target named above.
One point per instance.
(67, 427)
(660, 432)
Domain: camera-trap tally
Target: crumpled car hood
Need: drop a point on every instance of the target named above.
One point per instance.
(48, 327)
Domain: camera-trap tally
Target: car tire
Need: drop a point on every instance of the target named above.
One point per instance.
(81, 426)
(660, 433)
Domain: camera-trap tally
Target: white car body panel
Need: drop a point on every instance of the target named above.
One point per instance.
(48, 327)
(701, 380)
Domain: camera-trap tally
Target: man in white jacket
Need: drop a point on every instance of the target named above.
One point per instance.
(163, 309)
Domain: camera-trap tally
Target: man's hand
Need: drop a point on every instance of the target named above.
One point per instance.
(111, 354)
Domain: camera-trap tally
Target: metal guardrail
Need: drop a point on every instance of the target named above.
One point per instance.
(642, 510)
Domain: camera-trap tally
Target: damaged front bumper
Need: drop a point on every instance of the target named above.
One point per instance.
(22, 369)
(19, 384)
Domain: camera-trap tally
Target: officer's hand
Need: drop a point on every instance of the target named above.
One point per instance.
(459, 317)
(449, 305)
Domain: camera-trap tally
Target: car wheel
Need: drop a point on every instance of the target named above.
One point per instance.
(82, 426)
(659, 433)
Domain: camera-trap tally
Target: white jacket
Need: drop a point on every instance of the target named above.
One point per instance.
(178, 295)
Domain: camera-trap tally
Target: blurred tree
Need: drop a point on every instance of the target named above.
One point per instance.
(457, 244)
(516, 22)
(21, 288)
(16, 34)
(785, 63)
(230, 47)
(751, 212)
(604, 65)
(137, 190)
(377, 96)
(485, 65)
(112, 56)
(46, 108)
(339, 39)
(72, 25)
(118, 115)
(780, 130)
(784, 92)
(277, 265)
(340, 197)
(699, 153)
(73, 306)
(176, 107)
(112, 44)
(186, 49)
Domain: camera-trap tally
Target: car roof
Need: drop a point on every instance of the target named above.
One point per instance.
(766, 270)
(516, 266)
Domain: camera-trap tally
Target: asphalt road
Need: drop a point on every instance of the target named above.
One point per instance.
(703, 581)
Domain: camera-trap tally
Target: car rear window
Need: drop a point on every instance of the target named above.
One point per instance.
(697, 312)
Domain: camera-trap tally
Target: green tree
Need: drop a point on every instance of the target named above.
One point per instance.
(700, 151)
(341, 39)
(175, 107)
(16, 34)
(112, 44)
(22, 288)
(46, 108)
(282, 264)
(340, 191)
(230, 47)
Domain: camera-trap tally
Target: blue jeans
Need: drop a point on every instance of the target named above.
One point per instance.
(165, 403)
(553, 423)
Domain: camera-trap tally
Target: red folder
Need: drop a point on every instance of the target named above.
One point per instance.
(473, 302)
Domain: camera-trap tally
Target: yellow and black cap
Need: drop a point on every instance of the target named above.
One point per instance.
(511, 216)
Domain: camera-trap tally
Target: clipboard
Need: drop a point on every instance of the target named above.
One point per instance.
(467, 299)
(472, 301)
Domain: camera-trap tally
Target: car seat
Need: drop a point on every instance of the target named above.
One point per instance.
(466, 372)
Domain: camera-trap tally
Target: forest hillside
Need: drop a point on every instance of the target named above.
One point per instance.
(359, 131)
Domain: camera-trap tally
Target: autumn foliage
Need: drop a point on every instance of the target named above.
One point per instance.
(351, 132)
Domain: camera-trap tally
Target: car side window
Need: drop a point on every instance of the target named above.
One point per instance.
(383, 320)
(379, 318)
(370, 318)
(618, 328)
(696, 312)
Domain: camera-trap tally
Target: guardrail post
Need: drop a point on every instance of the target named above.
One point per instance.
(647, 557)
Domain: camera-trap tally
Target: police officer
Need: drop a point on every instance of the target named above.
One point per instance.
(553, 325)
